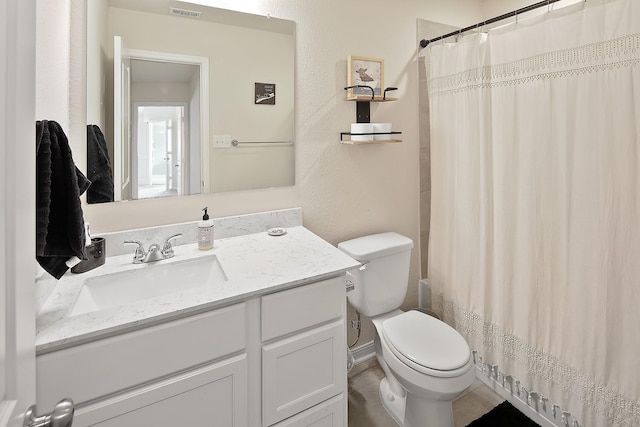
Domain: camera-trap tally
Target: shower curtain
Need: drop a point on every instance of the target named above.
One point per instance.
(534, 252)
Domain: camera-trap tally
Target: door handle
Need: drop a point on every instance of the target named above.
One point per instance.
(61, 416)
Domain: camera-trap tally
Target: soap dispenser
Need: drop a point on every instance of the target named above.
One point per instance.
(205, 232)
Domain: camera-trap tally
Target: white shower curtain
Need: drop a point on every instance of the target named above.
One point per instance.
(534, 251)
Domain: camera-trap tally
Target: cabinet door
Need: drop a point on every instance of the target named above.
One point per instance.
(214, 395)
(330, 413)
(302, 371)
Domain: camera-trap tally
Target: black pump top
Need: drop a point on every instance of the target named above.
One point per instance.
(205, 216)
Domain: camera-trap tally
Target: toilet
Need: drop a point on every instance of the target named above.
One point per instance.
(426, 362)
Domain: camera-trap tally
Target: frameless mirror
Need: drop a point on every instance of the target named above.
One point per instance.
(190, 99)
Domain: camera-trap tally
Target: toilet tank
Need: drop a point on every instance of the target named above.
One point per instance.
(380, 285)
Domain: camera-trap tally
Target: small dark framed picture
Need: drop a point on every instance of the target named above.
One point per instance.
(265, 93)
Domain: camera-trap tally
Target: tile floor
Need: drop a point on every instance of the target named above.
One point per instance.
(365, 409)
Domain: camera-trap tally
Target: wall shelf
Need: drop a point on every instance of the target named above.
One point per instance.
(363, 115)
(348, 140)
(368, 98)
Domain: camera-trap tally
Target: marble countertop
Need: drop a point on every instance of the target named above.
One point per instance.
(255, 264)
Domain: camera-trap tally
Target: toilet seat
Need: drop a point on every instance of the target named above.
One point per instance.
(427, 344)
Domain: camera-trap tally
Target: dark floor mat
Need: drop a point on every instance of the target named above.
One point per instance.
(503, 415)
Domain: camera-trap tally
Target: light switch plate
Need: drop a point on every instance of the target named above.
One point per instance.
(221, 141)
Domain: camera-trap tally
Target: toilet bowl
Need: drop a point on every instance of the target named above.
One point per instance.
(426, 362)
(431, 370)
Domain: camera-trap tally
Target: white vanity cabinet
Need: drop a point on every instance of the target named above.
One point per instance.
(277, 359)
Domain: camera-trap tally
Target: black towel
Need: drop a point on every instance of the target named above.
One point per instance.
(98, 167)
(60, 232)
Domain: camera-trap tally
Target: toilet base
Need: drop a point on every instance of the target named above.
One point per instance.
(392, 403)
(427, 413)
(421, 412)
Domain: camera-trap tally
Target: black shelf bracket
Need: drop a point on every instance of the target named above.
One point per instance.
(363, 112)
(384, 95)
(363, 106)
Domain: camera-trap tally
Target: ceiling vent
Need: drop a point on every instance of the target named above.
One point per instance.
(184, 12)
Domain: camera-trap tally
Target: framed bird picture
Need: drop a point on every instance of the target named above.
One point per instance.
(362, 71)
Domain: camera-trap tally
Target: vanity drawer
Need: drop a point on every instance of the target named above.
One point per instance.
(89, 371)
(303, 307)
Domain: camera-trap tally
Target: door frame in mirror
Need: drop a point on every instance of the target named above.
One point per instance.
(203, 65)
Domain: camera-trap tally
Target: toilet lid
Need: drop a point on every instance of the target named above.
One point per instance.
(426, 341)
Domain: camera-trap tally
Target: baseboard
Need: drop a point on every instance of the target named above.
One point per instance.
(364, 352)
(528, 402)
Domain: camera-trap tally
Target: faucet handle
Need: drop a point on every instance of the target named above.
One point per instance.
(167, 249)
(139, 254)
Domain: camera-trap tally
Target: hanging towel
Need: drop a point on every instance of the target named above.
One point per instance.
(60, 232)
(98, 167)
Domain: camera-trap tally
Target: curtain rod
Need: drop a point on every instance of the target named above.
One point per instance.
(424, 42)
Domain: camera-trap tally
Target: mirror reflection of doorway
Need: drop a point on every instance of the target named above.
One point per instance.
(159, 149)
(162, 125)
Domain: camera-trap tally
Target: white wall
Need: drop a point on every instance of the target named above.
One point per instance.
(251, 166)
(345, 191)
(53, 61)
(97, 47)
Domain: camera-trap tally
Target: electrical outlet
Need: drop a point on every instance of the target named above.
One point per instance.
(221, 141)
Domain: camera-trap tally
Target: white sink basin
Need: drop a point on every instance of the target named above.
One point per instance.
(149, 281)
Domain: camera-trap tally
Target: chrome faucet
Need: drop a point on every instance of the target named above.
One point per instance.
(155, 252)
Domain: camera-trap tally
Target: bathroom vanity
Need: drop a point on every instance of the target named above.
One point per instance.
(264, 347)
